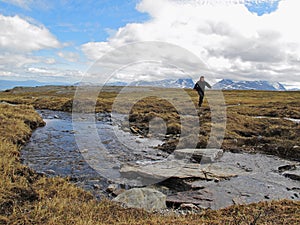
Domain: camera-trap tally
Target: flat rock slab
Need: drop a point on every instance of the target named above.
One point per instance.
(199, 155)
(179, 169)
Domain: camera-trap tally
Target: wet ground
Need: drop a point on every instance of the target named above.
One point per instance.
(54, 150)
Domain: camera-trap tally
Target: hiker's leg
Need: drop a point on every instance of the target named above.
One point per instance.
(200, 100)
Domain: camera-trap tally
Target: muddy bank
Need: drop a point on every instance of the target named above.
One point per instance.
(250, 177)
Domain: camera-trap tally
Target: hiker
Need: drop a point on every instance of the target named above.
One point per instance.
(200, 88)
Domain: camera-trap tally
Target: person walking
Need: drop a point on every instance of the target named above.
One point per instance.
(200, 88)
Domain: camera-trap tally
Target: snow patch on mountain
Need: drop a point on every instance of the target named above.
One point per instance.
(227, 84)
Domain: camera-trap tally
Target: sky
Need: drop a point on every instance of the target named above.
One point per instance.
(62, 40)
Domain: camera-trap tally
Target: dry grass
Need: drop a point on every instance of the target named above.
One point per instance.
(29, 198)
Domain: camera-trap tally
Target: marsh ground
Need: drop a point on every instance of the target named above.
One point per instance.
(256, 121)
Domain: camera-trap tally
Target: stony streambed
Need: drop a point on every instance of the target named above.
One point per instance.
(233, 179)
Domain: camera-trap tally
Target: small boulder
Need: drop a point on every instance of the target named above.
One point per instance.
(115, 189)
(112, 187)
(143, 198)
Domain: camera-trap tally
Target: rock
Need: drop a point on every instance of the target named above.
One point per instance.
(84, 151)
(238, 201)
(112, 187)
(199, 155)
(126, 129)
(96, 186)
(135, 130)
(118, 191)
(244, 167)
(163, 170)
(294, 175)
(286, 167)
(143, 198)
(50, 172)
(201, 198)
(267, 197)
(198, 184)
(115, 189)
(187, 206)
(56, 117)
(176, 184)
(294, 189)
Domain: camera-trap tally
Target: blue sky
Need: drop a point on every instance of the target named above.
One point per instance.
(78, 21)
(59, 40)
(261, 8)
(92, 20)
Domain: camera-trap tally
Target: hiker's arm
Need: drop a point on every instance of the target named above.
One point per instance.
(207, 85)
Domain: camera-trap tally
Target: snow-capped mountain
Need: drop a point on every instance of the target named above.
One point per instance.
(227, 84)
(167, 83)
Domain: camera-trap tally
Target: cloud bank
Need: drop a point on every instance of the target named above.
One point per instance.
(234, 42)
(20, 39)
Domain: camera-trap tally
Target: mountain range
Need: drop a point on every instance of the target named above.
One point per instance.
(167, 83)
(225, 84)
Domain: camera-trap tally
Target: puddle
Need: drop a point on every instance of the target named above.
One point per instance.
(53, 151)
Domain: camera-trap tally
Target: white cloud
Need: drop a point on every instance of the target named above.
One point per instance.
(94, 50)
(55, 72)
(31, 4)
(18, 35)
(14, 61)
(21, 3)
(39, 70)
(69, 56)
(43, 74)
(234, 42)
(20, 40)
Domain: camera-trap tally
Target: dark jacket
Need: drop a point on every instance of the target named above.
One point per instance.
(200, 87)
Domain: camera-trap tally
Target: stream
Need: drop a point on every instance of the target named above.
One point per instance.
(53, 151)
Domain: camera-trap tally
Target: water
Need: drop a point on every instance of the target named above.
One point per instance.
(261, 180)
(55, 150)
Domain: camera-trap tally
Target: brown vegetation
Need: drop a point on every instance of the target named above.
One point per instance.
(29, 198)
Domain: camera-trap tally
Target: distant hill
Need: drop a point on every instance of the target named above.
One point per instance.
(118, 83)
(9, 84)
(167, 83)
(227, 84)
